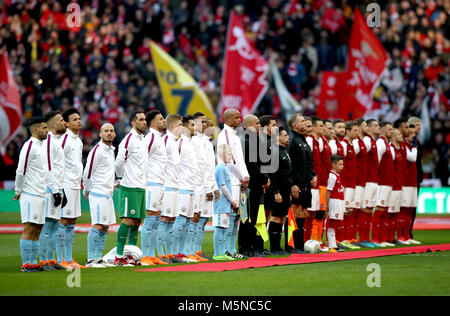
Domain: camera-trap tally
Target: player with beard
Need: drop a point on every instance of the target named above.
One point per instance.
(131, 163)
(54, 200)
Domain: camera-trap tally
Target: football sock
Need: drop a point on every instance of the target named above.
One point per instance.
(275, 230)
(409, 219)
(160, 235)
(133, 237)
(177, 237)
(51, 244)
(69, 237)
(218, 241)
(153, 236)
(368, 225)
(93, 240)
(146, 233)
(122, 236)
(376, 225)
(189, 243)
(34, 252)
(200, 233)
(331, 233)
(401, 224)
(60, 242)
(168, 238)
(43, 241)
(100, 245)
(26, 251)
(229, 234)
(234, 221)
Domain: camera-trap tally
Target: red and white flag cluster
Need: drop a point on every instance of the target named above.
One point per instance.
(349, 94)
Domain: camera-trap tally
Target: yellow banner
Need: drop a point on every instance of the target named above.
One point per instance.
(179, 90)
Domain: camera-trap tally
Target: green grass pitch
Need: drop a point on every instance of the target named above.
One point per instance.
(412, 274)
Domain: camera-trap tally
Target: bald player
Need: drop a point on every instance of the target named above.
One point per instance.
(238, 170)
(99, 185)
(248, 241)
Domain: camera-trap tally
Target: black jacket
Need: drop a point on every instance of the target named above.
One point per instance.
(282, 179)
(302, 161)
(253, 161)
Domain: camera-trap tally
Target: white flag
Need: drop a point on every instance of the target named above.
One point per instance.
(425, 131)
(288, 102)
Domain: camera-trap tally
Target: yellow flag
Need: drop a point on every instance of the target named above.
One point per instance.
(179, 90)
(261, 223)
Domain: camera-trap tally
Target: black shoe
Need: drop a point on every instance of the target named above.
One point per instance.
(261, 254)
(298, 251)
(277, 252)
(57, 266)
(47, 267)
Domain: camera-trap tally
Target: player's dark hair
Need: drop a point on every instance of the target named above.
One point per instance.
(359, 121)
(265, 120)
(36, 120)
(398, 122)
(51, 115)
(186, 119)
(307, 118)
(198, 114)
(315, 119)
(384, 123)
(150, 116)
(336, 121)
(326, 121)
(67, 113)
(349, 125)
(133, 116)
(370, 121)
(335, 158)
(280, 129)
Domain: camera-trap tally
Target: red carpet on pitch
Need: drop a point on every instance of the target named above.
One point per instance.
(298, 259)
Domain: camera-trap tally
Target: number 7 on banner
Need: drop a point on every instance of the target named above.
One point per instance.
(186, 98)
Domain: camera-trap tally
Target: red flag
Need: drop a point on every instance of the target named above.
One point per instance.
(332, 19)
(244, 80)
(332, 99)
(367, 60)
(10, 107)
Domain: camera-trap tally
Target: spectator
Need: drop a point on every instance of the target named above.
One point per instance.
(109, 57)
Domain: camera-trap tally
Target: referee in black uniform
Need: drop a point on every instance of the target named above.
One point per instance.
(279, 192)
(303, 176)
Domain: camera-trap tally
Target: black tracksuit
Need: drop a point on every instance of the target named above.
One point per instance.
(303, 172)
(248, 241)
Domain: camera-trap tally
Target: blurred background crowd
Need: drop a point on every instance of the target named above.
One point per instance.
(105, 69)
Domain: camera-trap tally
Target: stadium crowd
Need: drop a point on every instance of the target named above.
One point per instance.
(105, 69)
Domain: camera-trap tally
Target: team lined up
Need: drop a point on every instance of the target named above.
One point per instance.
(169, 177)
(367, 200)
